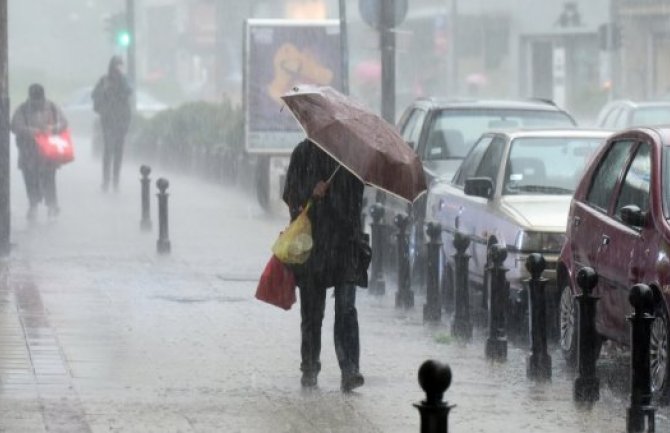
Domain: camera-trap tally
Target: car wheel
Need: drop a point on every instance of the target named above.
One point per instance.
(568, 326)
(659, 353)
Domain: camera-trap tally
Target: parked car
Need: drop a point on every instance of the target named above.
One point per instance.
(619, 225)
(443, 131)
(622, 114)
(513, 188)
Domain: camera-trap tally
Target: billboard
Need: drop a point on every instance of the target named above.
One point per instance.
(281, 54)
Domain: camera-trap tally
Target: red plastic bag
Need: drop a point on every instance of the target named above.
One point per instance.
(56, 147)
(277, 285)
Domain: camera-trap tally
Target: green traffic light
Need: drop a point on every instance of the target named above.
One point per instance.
(123, 38)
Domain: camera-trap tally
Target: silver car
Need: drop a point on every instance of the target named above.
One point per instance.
(513, 188)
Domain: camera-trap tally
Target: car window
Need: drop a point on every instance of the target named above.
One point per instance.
(471, 162)
(547, 165)
(607, 174)
(635, 185)
(621, 121)
(651, 116)
(610, 118)
(490, 163)
(412, 128)
(456, 130)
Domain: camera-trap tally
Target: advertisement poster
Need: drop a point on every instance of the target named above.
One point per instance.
(280, 55)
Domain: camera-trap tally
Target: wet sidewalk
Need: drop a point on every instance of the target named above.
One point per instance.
(98, 333)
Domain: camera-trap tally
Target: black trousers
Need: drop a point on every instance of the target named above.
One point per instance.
(40, 179)
(347, 346)
(112, 155)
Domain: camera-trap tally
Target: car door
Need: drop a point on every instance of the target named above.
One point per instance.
(621, 245)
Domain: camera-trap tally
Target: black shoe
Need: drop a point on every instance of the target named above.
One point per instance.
(351, 381)
(308, 380)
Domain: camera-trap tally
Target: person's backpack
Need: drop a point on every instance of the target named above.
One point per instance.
(99, 95)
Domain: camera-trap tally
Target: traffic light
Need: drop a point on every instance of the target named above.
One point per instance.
(116, 26)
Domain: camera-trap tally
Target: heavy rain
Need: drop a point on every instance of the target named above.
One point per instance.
(345, 216)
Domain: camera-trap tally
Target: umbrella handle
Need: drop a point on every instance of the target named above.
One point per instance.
(330, 179)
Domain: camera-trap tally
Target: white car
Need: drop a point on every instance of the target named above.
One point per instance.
(513, 188)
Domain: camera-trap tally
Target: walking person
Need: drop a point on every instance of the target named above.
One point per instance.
(335, 260)
(111, 100)
(37, 115)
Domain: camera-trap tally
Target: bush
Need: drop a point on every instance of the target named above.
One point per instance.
(198, 136)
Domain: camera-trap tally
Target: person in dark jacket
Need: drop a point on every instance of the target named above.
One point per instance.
(334, 260)
(111, 100)
(37, 114)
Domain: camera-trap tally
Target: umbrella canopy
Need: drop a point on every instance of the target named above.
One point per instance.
(358, 139)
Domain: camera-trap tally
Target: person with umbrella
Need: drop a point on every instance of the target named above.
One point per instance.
(346, 148)
(333, 261)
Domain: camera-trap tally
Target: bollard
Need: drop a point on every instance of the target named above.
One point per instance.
(538, 364)
(163, 244)
(587, 385)
(404, 297)
(496, 344)
(642, 300)
(435, 379)
(377, 283)
(145, 223)
(432, 310)
(461, 326)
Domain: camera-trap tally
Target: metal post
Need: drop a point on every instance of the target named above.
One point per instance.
(496, 344)
(538, 364)
(642, 300)
(5, 201)
(163, 245)
(132, 69)
(387, 43)
(377, 284)
(461, 326)
(145, 224)
(404, 297)
(435, 379)
(344, 46)
(453, 81)
(432, 311)
(587, 384)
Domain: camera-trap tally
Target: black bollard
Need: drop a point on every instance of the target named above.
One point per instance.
(587, 385)
(145, 224)
(377, 283)
(496, 344)
(404, 297)
(538, 364)
(435, 379)
(163, 244)
(432, 311)
(461, 326)
(642, 300)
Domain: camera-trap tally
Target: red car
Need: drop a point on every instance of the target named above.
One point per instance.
(618, 224)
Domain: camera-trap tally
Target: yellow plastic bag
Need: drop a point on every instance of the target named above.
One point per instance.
(294, 244)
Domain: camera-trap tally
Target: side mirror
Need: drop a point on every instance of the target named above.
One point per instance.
(633, 216)
(411, 144)
(479, 187)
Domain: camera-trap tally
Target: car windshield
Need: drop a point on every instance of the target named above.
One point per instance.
(547, 165)
(453, 132)
(652, 116)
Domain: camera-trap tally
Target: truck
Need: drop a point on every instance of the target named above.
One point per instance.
(280, 54)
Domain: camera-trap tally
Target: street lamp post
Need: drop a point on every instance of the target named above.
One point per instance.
(4, 134)
(130, 16)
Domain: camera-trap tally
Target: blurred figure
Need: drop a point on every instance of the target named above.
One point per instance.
(111, 100)
(36, 115)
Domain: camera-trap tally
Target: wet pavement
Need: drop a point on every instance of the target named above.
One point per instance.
(98, 333)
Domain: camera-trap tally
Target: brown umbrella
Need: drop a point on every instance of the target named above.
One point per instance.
(361, 141)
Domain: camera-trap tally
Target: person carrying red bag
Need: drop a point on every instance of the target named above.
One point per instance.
(35, 116)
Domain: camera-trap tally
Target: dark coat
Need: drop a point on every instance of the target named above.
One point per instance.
(336, 218)
(111, 100)
(26, 121)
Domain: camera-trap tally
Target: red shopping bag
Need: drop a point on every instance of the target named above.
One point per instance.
(56, 147)
(277, 285)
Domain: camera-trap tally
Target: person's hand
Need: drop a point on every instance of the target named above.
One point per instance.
(320, 189)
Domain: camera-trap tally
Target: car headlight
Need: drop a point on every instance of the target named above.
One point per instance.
(539, 242)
